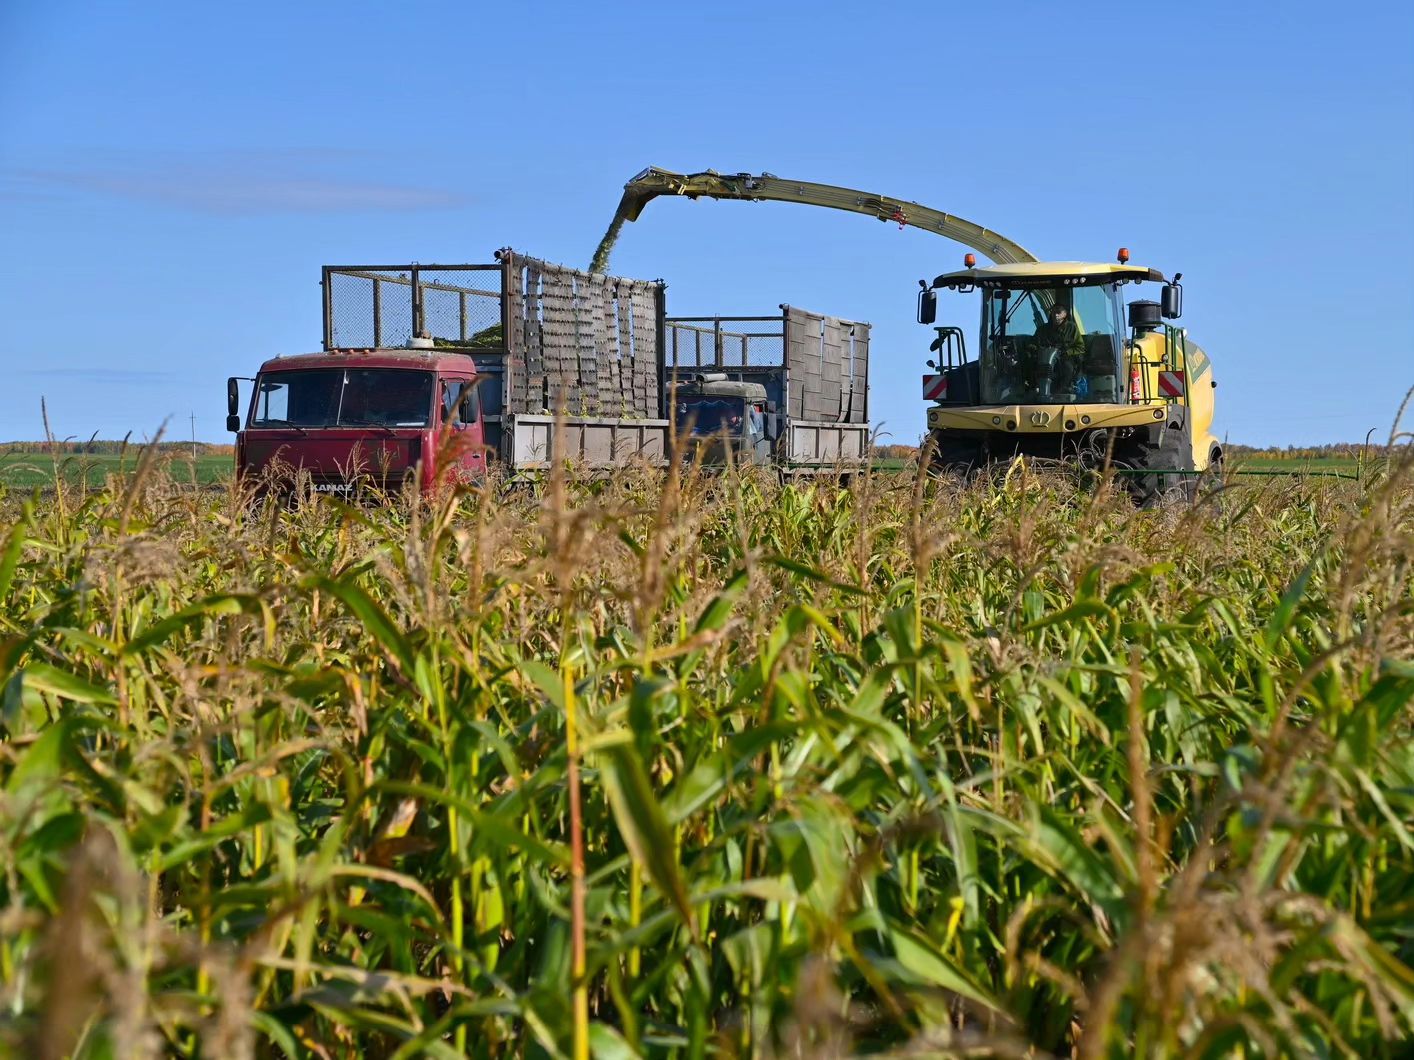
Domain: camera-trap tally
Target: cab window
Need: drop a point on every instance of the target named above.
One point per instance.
(1029, 355)
(469, 405)
(451, 400)
(459, 405)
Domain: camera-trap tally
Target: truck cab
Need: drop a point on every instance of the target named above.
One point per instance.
(724, 417)
(376, 417)
(1066, 370)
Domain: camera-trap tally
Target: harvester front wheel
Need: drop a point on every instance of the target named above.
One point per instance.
(954, 456)
(1173, 480)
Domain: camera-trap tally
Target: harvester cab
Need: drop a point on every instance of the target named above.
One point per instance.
(1064, 370)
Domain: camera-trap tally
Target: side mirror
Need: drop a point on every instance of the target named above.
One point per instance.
(233, 399)
(1172, 300)
(233, 423)
(927, 306)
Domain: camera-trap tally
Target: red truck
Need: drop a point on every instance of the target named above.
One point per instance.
(437, 371)
(378, 416)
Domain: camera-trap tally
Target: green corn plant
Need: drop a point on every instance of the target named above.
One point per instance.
(708, 765)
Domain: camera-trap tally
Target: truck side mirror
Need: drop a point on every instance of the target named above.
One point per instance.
(927, 306)
(1173, 300)
(233, 404)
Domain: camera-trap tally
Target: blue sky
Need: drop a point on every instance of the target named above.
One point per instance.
(173, 175)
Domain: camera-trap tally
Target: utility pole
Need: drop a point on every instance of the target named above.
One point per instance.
(193, 439)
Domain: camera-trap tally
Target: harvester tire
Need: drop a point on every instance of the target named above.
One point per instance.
(955, 457)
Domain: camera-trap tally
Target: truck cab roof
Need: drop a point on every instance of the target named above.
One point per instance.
(1047, 274)
(429, 360)
(721, 388)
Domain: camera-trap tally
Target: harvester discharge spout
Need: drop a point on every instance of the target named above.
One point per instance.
(653, 182)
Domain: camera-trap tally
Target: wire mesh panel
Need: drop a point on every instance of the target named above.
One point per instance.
(825, 360)
(462, 305)
(725, 342)
(393, 320)
(385, 306)
(350, 310)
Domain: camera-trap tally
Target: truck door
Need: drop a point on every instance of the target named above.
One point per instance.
(463, 442)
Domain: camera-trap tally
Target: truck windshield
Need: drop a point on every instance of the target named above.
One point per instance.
(343, 397)
(712, 415)
(1051, 345)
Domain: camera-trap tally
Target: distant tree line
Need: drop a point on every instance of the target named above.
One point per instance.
(896, 452)
(99, 447)
(1331, 451)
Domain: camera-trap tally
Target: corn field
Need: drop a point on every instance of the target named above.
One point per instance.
(709, 766)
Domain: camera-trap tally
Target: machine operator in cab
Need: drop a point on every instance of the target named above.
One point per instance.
(1048, 362)
(1057, 349)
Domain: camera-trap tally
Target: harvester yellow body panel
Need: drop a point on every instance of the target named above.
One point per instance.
(1160, 357)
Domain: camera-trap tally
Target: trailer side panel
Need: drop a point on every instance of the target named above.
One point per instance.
(534, 442)
(826, 445)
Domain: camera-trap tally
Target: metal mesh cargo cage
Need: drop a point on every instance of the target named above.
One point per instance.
(718, 342)
(373, 306)
(825, 359)
(591, 344)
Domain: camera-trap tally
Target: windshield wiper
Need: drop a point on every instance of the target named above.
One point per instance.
(369, 423)
(282, 423)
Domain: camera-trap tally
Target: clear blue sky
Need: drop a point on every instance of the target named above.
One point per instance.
(172, 175)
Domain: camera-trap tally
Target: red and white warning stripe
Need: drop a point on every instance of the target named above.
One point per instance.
(935, 388)
(1171, 384)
